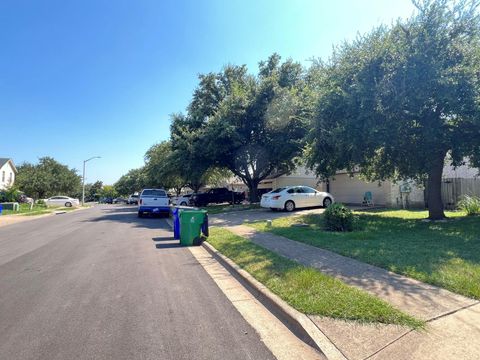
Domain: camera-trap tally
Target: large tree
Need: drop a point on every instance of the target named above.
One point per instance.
(133, 181)
(92, 191)
(47, 178)
(253, 125)
(395, 102)
(188, 153)
(162, 168)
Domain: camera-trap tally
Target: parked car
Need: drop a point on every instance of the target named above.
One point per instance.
(62, 201)
(153, 201)
(290, 198)
(182, 200)
(217, 196)
(132, 199)
(119, 201)
(106, 200)
(24, 199)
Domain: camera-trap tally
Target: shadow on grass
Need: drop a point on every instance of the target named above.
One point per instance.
(446, 254)
(306, 289)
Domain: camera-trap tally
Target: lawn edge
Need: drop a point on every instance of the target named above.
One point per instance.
(299, 323)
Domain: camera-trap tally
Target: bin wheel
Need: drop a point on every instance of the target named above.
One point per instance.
(140, 214)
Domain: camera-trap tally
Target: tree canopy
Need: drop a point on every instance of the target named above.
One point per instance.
(133, 181)
(162, 169)
(47, 178)
(396, 101)
(252, 125)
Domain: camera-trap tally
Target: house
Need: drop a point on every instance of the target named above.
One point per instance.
(7, 173)
(351, 190)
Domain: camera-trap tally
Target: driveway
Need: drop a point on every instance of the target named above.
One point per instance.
(103, 284)
(239, 217)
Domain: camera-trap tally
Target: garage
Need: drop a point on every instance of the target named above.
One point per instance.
(348, 190)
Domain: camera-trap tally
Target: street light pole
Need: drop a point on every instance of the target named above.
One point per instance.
(83, 178)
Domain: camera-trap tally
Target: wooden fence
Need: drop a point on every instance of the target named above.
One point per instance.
(453, 189)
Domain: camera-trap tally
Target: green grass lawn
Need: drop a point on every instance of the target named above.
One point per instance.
(218, 209)
(446, 254)
(37, 210)
(304, 288)
(25, 209)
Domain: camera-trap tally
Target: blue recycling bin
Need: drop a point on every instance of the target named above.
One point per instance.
(176, 223)
(1, 209)
(205, 226)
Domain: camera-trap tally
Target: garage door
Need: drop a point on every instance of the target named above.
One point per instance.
(351, 190)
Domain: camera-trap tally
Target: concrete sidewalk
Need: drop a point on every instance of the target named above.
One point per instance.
(453, 320)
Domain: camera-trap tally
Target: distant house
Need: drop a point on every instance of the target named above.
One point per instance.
(351, 190)
(7, 173)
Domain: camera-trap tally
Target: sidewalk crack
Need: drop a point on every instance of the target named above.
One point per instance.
(335, 345)
(387, 345)
(448, 313)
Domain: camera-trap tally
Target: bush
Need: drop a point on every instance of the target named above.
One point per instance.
(40, 202)
(10, 194)
(338, 217)
(470, 204)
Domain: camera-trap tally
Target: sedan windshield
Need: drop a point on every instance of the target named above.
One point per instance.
(276, 191)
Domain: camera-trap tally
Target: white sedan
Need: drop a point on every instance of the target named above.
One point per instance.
(183, 200)
(290, 198)
(62, 201)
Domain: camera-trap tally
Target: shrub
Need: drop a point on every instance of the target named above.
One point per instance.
(470, 204)
(11, 194)
(338, 217)
(40, 202)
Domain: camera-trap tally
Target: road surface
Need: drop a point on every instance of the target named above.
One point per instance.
(103, 284)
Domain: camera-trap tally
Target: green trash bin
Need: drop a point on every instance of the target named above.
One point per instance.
(191, 222)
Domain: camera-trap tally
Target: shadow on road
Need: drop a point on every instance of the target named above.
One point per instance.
(128, 215)
(168, 245)
(163, 238)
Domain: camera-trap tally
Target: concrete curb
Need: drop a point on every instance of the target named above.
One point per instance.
(299, 323)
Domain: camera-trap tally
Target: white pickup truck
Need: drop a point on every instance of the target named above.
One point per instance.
(153, 201)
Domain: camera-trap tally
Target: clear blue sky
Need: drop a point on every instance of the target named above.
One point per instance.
(100, 77)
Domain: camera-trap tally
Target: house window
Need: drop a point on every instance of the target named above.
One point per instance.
(3, 176)
(10, 179)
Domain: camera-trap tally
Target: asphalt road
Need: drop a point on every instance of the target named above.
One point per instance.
(103, 284)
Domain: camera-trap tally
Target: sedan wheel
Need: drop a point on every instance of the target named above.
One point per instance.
(289, 206)
(327, 202)
(68, 204)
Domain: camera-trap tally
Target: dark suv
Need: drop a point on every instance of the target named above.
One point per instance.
(217, 196)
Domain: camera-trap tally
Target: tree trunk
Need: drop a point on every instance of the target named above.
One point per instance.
(253, 191)
(195, 187)
(434, 187)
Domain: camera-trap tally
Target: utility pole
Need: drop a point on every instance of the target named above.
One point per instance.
(83, 178)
